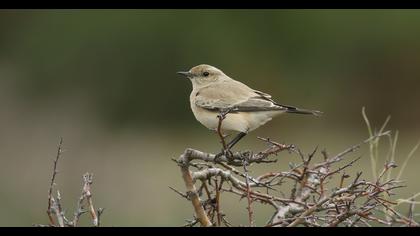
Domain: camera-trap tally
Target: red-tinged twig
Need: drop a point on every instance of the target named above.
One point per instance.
(387, 166)
(221, 116)
(315, 207)
(248, 190)
(342, 217)
(353, 148)
(404, 219)
(274, 149)
(373, 218)
(323, 178)
(341, 168)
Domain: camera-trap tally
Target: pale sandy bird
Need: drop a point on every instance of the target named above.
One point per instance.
(214, 92)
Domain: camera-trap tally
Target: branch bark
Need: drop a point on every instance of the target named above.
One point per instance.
(191, 189)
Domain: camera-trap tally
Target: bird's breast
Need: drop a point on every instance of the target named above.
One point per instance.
(205, 117)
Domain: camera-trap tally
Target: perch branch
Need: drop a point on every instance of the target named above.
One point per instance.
(191, 189)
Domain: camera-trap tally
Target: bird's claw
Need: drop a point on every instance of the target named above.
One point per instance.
(225, 152)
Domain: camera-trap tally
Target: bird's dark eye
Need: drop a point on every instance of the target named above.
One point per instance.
(205, 73)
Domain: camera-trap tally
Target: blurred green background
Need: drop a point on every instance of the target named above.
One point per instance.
(105, 81)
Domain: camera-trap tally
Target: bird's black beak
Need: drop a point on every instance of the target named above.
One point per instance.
(186, 74)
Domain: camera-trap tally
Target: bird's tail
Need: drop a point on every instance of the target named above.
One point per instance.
(296, 110)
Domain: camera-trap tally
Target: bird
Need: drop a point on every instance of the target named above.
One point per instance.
(246, 109)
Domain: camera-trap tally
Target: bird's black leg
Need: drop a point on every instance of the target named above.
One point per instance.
(227, 153)
(236, 140)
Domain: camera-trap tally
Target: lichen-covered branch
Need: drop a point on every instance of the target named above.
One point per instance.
(191, 189)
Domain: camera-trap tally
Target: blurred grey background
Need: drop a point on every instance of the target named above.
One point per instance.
(92, 77)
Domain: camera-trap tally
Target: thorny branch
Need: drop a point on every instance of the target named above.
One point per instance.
(51, 202)
(248, 195)
(55, 207)
(315, 199)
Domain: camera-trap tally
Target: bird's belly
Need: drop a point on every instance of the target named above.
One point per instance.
(257, 119)
(233, 121)
(240, 121)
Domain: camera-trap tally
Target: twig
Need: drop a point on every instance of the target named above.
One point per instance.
(411, 212)
(353, 148)
(274, 149)
(248, 190)
(55, 206)
(221, 117)
(99, 213)
(87, 179)
(225, 221)
(254, 180)
(50, 197)
(217, 187)
(59, 210)
(79, 211)
(180, 193)
(191, 223)
(387, 166)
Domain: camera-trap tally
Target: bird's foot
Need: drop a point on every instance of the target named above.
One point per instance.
(225, 152)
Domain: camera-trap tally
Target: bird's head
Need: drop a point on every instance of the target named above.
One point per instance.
(203, 75)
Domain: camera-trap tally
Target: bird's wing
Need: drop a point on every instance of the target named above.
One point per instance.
(235, 97)
(287, 108)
